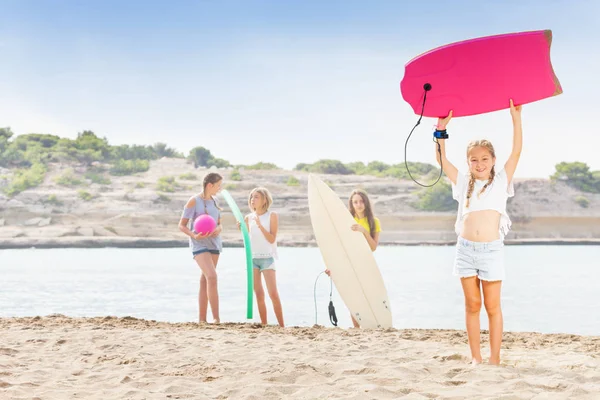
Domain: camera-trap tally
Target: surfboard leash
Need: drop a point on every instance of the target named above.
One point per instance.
(426, 88)
(332, 316)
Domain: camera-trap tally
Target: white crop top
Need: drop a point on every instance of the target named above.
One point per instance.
(494, 197)
(261, 248)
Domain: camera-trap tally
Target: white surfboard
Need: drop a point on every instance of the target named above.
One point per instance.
(348, 256)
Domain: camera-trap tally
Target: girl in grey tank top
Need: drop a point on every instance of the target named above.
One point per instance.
(211, 208)
(205, 249)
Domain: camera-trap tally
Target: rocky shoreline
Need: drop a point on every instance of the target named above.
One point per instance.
(138, 212)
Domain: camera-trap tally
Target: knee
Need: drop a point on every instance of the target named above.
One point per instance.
(473, 305)
(493, 308)
(260, 293)
(210, 278)
(274, 295)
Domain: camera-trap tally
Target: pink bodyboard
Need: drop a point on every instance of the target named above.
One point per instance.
(482, 75)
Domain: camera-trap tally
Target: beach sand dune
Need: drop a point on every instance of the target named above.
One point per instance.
(57, 357)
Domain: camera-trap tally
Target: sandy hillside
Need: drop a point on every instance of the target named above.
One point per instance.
(132, 207)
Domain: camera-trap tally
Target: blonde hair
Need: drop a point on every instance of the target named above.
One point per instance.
(489, 147)
(264, 192)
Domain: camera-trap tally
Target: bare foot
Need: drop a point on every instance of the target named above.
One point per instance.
(475, 361)
(203, 321)
(494, 361)
(216, 321)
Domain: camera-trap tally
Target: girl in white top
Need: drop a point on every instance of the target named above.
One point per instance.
(262, 226)
(481, 224)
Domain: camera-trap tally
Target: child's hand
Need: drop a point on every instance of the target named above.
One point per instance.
(358, 228)
(216, 232)
(515, 111)
(443, 122)
(199, 236)
(257, 220)
(238, 225)
(328, 272)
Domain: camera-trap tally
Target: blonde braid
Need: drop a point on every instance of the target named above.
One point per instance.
(471, 187)
(489, 182)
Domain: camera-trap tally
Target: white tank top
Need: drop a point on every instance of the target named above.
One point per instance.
(261, 248)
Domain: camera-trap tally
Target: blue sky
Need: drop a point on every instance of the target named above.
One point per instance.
(285, 82)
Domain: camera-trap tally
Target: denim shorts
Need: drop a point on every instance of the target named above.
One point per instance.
(195, 253)
(482, 259)
(263, 264)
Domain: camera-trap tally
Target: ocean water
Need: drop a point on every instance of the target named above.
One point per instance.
(549, 289)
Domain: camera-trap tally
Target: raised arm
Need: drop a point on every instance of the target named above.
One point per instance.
(440, 153)
(513, 159)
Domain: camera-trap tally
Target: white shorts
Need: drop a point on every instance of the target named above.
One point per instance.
(482, 259)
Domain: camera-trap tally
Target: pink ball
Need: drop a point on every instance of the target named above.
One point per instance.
(204, 224)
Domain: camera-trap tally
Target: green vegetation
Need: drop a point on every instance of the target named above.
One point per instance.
(53, 200)
(188, 177)
(202, 157)
(29, 156)
(24, 179)
(235, 175)
(162, 198)
(167, 184)
(260, 166)
(375, 168)
(36, 151)
(293, 181)
(578, 176)
(436, 198)
(69, 178)
(325, 167)
(85, 196)
(129, 167)
(87, 148)
(97, 177)
(582, 201)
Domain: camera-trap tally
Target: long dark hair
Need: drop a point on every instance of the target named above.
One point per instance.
(368, 209)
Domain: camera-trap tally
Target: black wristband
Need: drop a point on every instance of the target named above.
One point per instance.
(440, 134)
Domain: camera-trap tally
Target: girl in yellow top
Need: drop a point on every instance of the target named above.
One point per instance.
(359, 206)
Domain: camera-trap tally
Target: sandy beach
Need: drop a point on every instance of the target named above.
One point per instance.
(57, 357)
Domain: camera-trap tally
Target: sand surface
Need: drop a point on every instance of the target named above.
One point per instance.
(57, 357)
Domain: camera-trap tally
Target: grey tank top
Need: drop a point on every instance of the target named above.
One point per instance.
(203, 207)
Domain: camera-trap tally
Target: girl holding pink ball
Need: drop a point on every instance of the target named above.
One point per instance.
(205, 241)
